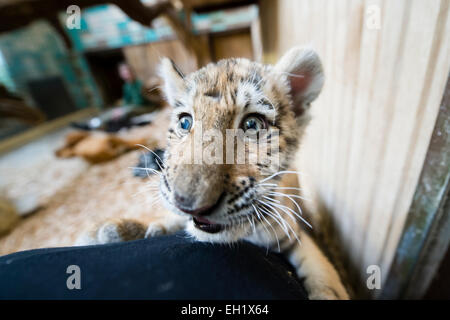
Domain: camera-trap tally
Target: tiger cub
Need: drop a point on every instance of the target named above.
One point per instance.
(210, 185)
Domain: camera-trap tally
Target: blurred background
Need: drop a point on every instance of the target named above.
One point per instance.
(79, 90)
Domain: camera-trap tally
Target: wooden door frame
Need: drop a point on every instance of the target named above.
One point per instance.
(426, 234)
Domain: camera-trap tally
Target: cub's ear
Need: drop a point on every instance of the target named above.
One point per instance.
(174, 84)
(303, 70)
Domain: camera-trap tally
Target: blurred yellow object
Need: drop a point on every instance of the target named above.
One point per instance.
(8, 215)
(96, 147)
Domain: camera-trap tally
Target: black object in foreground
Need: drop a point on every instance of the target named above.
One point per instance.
(148, 160)
(167, 267)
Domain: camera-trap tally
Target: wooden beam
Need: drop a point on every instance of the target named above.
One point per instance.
(42, 129)
(426, 233)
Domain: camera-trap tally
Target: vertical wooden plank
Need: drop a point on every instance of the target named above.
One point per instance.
(268, 14)
(144, 59)
(255, 31)
(426, 213)
(337, 74)
(369, 64)
(403, 106)
(232, 45)
(345, 106)
(327, 105)
(425, 118)
(378, 119)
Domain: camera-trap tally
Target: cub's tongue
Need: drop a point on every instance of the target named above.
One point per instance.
(203, 220)
(206, 225)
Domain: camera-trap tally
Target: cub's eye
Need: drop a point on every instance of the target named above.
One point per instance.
(254, 122)
(184, 123)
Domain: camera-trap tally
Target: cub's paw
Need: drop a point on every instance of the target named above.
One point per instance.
(154, 230)
(324, 294)
(112, 232)
(320, 291)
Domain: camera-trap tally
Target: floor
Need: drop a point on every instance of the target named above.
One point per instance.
(26, 170)
(62, 198)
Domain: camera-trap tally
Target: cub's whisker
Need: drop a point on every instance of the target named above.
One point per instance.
(273, 229)
(284, 208)
(289, 195)
(268, 198)
(288, 224)
(252, 223)
(264, 226)
(292, 200)
(282, 224)
(275, 186)
(146, 169)
(281, 172)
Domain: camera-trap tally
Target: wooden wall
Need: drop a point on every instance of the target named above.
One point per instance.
(144, 59)
(232, 45)
(372, 123)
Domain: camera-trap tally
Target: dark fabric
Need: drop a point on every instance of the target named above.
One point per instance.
(168, 267)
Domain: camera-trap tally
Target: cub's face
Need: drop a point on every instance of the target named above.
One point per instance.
(235, 126)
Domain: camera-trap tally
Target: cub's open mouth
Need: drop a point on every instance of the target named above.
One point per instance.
(206, 225)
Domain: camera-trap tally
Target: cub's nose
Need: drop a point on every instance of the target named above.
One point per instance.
(185, 204)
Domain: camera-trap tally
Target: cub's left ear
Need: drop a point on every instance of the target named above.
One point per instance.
(304, 72)
(174, 83)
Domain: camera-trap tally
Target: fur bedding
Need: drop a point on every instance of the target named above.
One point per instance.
(76, 195)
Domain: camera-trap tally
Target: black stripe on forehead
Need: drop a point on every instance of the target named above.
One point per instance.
(248, 99)
(230, 76)
(233, 96)
(175, 67)
(266, 103)
(178, 104)
(213, 94)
